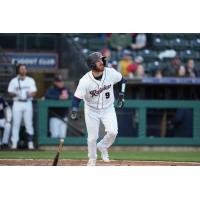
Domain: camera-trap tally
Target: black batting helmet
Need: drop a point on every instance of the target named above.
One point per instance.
(93, 58)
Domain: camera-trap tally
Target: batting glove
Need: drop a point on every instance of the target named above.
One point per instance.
(120, 102)
(74, 114)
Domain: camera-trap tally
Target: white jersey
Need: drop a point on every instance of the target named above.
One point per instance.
(98, 94)
(22, 87)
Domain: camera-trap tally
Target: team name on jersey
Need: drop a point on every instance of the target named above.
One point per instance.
(100, 90)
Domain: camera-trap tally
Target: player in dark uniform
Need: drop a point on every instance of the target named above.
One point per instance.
(5, 123)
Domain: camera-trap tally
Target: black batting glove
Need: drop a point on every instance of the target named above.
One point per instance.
(120, 101)
(74, 114)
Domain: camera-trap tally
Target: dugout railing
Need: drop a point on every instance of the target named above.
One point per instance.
(141, 139)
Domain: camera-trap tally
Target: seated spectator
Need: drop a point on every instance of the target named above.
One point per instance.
(190, 69)
(5, 123)
(158, 73)
(140, 41)
(181, 72)
(58, 116)
(124, 63)
(120, 41)
(136, 69)
(171, 69)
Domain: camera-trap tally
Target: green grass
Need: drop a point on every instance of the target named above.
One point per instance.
(116, 155)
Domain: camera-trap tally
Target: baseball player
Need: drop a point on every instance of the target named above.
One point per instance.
(22, 88)
(96, 89)
(5, 122)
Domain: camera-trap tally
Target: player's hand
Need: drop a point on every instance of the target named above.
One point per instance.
(120, 102)
(74, 114)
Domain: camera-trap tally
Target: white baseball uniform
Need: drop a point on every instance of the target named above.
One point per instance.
(98, 99)
(22, 105)
(5, 120)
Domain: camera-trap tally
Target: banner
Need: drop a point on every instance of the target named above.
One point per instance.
(34, 60)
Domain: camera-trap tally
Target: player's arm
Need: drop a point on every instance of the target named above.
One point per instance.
(75, 106)
(118, 78)
(33, 89)
(7, 112)
(78, 95)
(122, 86)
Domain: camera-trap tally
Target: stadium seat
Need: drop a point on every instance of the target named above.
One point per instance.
(179, 44)
(96, 44)
(187, 54)
(148, 55)
(160, 43)
(196, 43)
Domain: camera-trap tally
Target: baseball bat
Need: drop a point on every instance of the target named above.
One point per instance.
(56, 158)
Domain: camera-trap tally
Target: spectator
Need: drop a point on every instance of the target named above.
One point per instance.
(136, 69)
(5, 123)
(140, 41)
(158, 73)
(124, 63)
(120, 41)
(171, 69)
(107, 53)
(58, 116)
(22, 88)
(190, 69)
(181, 72)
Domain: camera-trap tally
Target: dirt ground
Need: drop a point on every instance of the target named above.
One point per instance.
(46, 162)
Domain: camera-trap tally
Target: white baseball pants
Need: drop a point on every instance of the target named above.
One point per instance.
(22, 110)
(93, 117)
(57, 128)
(6, 132)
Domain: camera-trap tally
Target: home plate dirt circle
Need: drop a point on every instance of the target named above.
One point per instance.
(68, 162)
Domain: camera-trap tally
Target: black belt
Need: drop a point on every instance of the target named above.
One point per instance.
(21, 100)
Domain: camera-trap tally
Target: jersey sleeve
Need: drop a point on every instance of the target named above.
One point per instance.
(116, 76)
(80, 90)
(11, 87)
(33, 87)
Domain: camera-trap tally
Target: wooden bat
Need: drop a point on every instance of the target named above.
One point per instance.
(56, 158)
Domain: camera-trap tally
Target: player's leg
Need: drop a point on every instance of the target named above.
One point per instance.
(28, 122)
(6, 133)
(62, 129)
(17, 117)
(2, 121)
(109, 120)
(92, 124)
(54, 127)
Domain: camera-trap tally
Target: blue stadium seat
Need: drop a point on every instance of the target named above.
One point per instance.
(160, 43)
(187, 54)
(179, 44)
(196, 43)
(148, 55)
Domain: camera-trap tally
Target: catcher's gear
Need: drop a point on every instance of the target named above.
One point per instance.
(74, 114)
(120, 102)
(93, 58)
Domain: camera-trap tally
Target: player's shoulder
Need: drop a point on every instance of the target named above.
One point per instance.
(110, 70)
(14, 79)
(85, 78)
(30, 79)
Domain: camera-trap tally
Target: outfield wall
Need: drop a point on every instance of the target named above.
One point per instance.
(139, 109)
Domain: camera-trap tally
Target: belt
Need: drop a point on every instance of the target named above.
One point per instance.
(21, 100)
